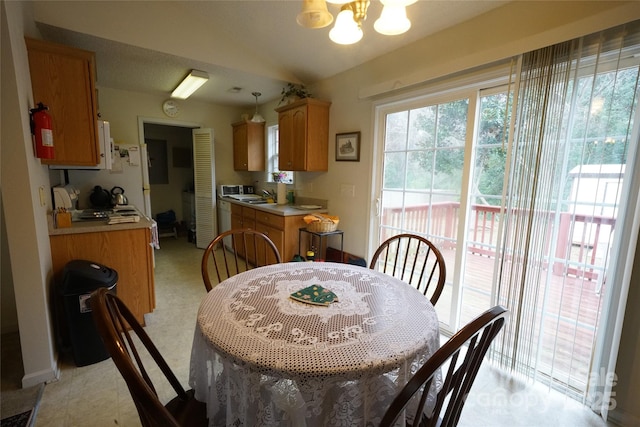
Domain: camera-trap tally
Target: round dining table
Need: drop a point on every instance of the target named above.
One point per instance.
(263, 358)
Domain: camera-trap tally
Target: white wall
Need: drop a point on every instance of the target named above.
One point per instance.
(25, 214)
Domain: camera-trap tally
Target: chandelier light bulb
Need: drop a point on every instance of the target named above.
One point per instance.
(314, 14)
(393, 21)
(346, 30)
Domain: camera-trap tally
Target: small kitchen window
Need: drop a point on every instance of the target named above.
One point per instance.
(275, 174)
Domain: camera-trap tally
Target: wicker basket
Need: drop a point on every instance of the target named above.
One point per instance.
(322, 226)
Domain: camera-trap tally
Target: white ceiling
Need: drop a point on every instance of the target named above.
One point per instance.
(265, 48)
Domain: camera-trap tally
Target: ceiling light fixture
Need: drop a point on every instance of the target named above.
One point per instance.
(348, 27)
(190, 84)
(257, 118)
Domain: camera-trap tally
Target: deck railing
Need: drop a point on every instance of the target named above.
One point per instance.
(578, 248)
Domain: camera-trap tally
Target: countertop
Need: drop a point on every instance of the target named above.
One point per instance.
(96, 226)
(283, 210)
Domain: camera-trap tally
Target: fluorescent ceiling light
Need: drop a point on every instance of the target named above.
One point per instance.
(190, 84)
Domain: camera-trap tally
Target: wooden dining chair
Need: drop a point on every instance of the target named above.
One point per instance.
(248, 248)
(121, 333)
(414, 260)
(470, 344)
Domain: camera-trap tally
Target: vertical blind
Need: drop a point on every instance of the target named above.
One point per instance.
(572, 134)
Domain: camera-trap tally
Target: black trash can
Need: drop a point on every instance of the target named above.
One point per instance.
(79, 279)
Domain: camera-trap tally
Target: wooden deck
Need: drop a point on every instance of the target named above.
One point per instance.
(569, 298)
(570, 307)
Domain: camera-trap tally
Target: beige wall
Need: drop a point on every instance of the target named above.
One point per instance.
(354, 94)
(8, 312)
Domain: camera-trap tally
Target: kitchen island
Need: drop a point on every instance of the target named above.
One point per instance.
(279, 222)
(124, 247)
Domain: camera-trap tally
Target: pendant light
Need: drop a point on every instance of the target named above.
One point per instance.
(257, 118)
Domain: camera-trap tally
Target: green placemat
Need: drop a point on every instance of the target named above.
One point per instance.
(316, 295)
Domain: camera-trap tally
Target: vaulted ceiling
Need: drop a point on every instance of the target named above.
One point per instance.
(150, 46)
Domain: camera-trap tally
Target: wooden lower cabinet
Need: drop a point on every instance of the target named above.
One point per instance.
(126, 251)
(276, 236)
(282, 230)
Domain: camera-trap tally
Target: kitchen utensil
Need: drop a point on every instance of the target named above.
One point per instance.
(100, 198)
(117, 196)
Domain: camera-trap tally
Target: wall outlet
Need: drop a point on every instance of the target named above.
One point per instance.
(310, 187)
(348, 190)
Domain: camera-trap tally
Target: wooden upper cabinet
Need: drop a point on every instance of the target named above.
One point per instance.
(303, 128)
(248, 146)
(63, 79)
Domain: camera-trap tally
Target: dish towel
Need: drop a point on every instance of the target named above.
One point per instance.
(155, 240)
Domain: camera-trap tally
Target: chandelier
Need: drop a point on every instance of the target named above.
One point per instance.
(348, 27)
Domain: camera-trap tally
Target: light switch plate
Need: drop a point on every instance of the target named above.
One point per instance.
(348, 190)
(43, 201)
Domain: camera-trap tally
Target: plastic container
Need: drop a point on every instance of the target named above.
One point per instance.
(311, 256)
(80, 278)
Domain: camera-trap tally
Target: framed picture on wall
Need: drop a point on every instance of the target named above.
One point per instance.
(348, 147)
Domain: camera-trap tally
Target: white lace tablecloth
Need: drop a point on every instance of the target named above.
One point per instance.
(260, 358)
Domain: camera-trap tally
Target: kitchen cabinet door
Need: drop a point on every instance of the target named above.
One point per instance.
(303, 128)
(276, 236)
(249, 221)
(248, 146)
(63, 79)
(126, 251)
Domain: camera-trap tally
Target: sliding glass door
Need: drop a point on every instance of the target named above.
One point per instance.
(524, 217)
(423, 164)
(437, 182)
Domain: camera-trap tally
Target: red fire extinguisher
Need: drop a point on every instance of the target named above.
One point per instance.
(42, 131)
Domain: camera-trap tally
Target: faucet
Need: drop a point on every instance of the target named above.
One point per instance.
(269, 194)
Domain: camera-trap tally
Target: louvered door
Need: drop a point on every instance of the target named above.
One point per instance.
(204, 182)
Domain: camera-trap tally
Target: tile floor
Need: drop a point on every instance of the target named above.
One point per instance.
(96, 395)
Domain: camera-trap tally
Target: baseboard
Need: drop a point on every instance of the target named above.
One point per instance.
(621, 418)
(43, 376)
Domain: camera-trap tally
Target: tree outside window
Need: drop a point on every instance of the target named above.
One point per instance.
(275, 174)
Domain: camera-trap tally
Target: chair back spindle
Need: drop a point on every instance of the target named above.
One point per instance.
(414, 260)
(120, 331)
(249, 249)
(471, 344)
